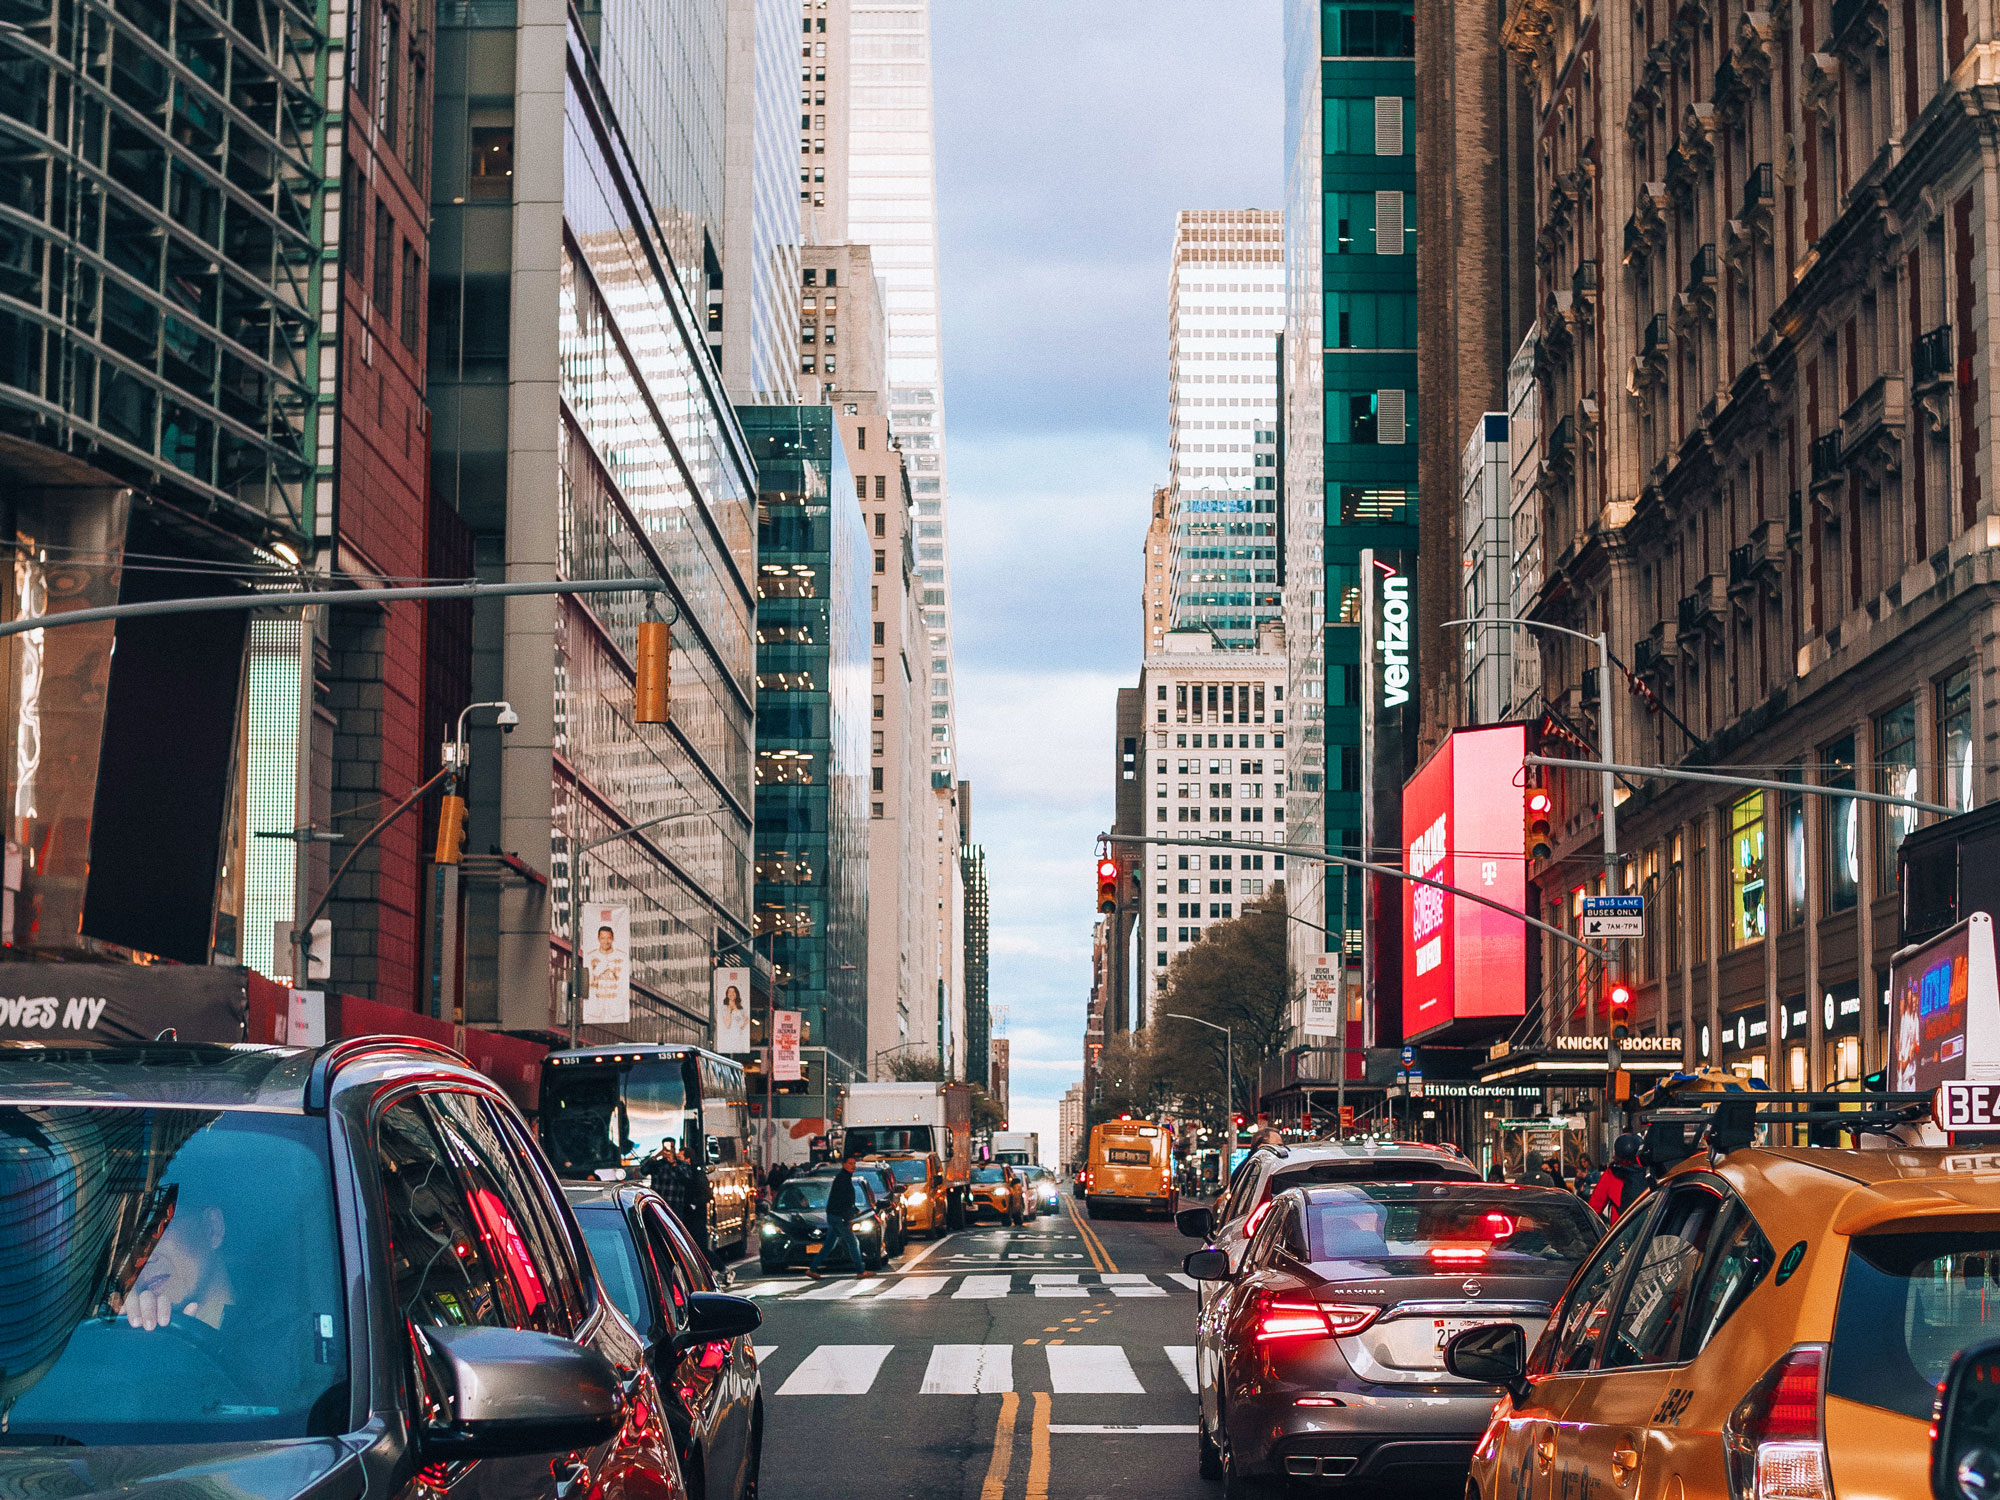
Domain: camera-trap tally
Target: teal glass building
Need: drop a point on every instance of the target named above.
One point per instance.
(811, 892)
(1348, 405)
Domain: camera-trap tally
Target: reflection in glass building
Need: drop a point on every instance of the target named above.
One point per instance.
(1350, 398)
(582, 429)
(813, 562)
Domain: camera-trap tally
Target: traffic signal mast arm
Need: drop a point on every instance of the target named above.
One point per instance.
(1320, 856)
(1674, 773)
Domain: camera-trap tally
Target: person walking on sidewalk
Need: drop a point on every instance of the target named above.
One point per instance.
(841, 1208)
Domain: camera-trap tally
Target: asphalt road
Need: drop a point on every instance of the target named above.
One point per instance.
(1050, 1362)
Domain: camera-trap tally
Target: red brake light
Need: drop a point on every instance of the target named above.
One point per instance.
(1773, 1440)
(1458, 1255)
(1277, 1319)
(1499, 1226)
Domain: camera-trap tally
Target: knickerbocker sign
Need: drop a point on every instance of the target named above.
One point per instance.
(1631, 1044)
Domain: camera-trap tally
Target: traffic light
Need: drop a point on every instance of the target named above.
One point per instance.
(1620, 999)
(1107, 885)
(652, 675)
(451, 829)
(1535, 839)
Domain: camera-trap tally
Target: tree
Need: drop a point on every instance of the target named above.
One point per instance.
(915, 1067)
(1236, 976)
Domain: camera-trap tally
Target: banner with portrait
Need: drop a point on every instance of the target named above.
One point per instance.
(607, 965)
(731, 1010)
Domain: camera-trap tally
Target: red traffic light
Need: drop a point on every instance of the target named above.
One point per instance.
(1538, 809)
(1107, 869)
(1107, 885)
(1538, 802)
(1620, 998)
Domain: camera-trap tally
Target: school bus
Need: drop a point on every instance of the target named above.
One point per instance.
(1130, 1167)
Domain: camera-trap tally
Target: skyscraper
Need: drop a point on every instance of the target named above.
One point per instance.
(1350, 417)
(1226, 309)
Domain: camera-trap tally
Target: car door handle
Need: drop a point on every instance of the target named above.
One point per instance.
(1623, 1462)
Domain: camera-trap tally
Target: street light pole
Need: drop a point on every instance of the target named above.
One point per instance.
(1228, 1084)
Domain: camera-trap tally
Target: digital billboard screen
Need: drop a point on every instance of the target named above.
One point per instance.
(1462, 821)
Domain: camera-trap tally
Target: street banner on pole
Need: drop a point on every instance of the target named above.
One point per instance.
(732, 1010)
(607, 963)
(1322, 1014)
(785, 1029)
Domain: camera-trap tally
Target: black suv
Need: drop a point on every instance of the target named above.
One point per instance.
(337, 1271)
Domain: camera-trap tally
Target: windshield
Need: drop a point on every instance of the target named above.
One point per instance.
(804, 1194)
(990, 1174)
(617, 1260)
(1383, 1169)
(909, 1171)
(172, 1276)
(880, 1140)
(1439, 1227)
(595, 1117)
(1908, 1303)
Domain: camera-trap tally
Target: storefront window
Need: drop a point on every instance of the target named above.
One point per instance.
(1843, 828)
(1746, 870)
(1794, 821)
(1954, 709)
(1896, 774)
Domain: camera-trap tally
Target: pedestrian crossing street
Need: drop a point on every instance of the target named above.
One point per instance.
(983, 1369)
(973, 1286)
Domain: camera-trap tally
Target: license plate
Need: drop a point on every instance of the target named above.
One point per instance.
(1448, 1329)
(815, 1249)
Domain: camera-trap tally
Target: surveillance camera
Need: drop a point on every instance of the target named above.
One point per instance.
(507, 718)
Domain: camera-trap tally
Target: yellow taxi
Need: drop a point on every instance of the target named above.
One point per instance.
(999, 1190)
(920, 1182)
(1770, 1323)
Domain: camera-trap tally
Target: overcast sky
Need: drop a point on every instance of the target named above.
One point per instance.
(1069, 134)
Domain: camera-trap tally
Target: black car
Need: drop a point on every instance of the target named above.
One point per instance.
(653, 1272)
(888, 1200)
(345, 1271)
(1320, 1356)
(794, 1228)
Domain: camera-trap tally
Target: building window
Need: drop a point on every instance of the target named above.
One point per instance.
(1896, 774)
(492, 155)
(878, 705)
(1842, 854)
(1670, 915)
(385, 261)
(410, 286)
(1794, 816)
(1954, 710)
(1746, 870)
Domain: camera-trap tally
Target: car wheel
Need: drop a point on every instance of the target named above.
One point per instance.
(1236, 1485)
(753, 1459)
(1208, 1457)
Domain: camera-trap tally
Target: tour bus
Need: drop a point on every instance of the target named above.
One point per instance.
(1131, 1166)
(607, 1111)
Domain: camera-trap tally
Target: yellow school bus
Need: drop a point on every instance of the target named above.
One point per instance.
(1130, 1167)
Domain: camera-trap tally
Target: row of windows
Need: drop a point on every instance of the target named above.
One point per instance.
(1223, 814)
(377, 251)
(1229, 742)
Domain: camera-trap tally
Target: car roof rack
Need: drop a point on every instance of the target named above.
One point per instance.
(336, 1055)
(1727, 1120)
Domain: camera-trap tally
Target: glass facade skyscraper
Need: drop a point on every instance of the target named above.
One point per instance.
(813, 573)
(1350, 375)
(1226, 309)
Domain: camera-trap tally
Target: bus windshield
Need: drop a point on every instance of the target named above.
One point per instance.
(615, 1115)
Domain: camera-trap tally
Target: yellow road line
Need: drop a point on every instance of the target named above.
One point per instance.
(1038, 1450)
(1099, 1256)
(995, 1487)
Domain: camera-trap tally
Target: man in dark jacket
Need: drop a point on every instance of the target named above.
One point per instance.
(1535, 1173)
(842, 1206)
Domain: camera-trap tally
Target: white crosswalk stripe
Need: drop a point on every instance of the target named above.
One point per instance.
(985, 1286)
(1057, 1284)
(837, 1370)
(1101, 1369)
(1183, 1357)
(909, 1288)
(1131, 1285)
(969, 1370)
(771, 1288)
(839, 1291)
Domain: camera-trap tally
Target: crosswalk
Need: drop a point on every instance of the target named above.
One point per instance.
(973, 1286)
(984, 1369)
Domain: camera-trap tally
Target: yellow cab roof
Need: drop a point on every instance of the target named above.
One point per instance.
(1803, 1191)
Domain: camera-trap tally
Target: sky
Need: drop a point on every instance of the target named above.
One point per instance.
(1069, 132)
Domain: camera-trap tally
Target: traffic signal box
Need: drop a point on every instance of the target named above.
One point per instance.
(1107, 885)
(652, 684)
(1536, 842)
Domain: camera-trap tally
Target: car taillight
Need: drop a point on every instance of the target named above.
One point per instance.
(1458, 1255)
(1279, 1319)
(1257, 1217)
(1773, 1440)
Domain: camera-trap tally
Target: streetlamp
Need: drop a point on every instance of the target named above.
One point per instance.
(1228, 1085)
(456, 757)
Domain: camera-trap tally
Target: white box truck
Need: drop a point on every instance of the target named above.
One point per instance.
(915, 1119)
(1017, 1148)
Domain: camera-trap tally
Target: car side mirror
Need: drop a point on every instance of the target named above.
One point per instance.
(1496, 1354)
(1965, 1454)
(713, 1317)
(1208, 1265)
(506, 1392)
(1195, 1223)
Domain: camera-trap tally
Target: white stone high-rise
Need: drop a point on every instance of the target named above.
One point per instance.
(1226, 296)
